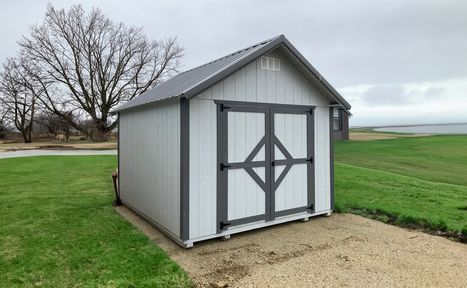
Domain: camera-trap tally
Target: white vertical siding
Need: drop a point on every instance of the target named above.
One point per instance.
(150, 162)
(250, 84)
(245, 131)
(322, 160)
(290, 130)
(253, 84)
(292, 191)
(245, 197)
(203, 157)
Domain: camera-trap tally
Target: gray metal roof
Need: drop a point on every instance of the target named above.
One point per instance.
(191, 82)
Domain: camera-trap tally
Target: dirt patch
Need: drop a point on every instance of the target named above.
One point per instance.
(341, 250)
(371, 136)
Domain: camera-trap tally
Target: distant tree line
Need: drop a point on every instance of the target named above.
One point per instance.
(74, 68)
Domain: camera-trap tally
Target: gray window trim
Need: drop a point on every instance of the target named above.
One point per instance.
(339, 117)
(184, 168)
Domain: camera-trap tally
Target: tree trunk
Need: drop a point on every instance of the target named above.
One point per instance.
(101, 135)
(26, 136)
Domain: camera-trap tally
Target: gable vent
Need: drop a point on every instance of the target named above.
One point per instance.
(270, 63)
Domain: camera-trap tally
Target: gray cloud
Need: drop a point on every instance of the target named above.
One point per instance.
(397, 95)
(349, 42)
(386, 95)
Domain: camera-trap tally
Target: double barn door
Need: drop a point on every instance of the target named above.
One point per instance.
(265, 162)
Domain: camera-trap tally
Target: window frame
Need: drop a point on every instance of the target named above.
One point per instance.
(270, 63)
(338, 118)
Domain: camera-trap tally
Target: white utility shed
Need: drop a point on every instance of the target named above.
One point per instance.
(239, 143)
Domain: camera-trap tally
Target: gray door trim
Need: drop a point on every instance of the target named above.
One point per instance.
(223, 166)
(268, 141)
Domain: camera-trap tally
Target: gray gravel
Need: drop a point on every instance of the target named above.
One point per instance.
(343, 250)
(26, 153)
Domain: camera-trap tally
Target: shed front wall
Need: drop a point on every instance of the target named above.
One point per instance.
(250, 84)
(149, 162)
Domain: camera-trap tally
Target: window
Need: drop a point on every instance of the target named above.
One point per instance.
(270, 63)
(336, 119)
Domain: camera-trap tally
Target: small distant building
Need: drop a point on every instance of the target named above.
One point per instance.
(340, 124)
(239, 143)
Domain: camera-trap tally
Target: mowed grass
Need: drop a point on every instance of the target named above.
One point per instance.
(419, 182)
(58, 229)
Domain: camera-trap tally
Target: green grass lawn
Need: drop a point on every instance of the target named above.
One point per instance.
(58, 229)
(419, 181)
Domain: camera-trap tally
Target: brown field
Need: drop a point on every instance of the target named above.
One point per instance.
(370, 136)
(5, 147)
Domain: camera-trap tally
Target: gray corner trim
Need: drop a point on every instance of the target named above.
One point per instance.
(184, 168)
(118, 157)
(331, 157)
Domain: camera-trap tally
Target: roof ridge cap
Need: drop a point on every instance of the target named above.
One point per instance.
(233, 53)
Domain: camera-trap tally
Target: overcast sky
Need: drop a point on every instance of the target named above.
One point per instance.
(396, 61)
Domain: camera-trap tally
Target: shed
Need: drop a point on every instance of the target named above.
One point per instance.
(239, 143)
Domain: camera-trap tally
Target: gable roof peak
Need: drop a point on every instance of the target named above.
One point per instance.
(195, 80)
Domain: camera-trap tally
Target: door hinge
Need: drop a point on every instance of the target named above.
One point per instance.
(311, 207)
(223, 224)
(310, 160)
(223, 107)
(224, 166)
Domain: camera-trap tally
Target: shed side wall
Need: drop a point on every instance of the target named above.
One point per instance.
(250, 84)
(150, 162)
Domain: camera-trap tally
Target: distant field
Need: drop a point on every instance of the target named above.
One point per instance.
(14, 146)
(409, 180)
(369, 134)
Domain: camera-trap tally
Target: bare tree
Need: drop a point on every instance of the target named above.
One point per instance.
(88, 64)
(51, 123)
(18, 100)
(4, 111)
